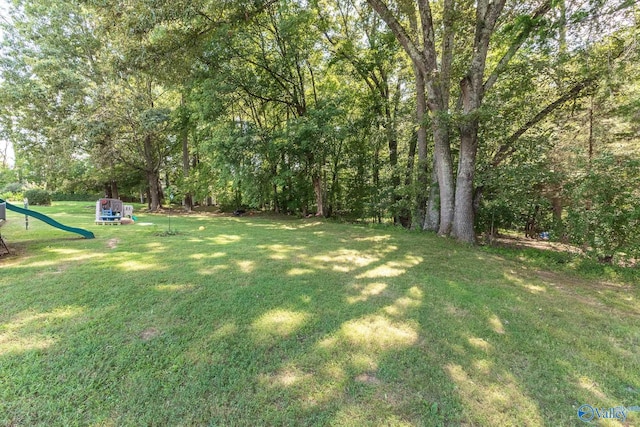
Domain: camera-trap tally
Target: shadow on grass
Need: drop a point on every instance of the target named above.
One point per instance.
(254, 322)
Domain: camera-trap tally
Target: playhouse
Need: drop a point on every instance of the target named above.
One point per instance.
(111, 211)
(3, 220)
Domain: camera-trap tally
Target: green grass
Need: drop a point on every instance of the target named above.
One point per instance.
(271, 321)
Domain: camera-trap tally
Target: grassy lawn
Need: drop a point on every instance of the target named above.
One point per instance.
(270, 321)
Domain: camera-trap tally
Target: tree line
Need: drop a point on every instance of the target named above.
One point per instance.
(451, 116)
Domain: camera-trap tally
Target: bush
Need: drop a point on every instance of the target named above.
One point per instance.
(13, 187)
(38, 196)
(604, 214)
(74, 197)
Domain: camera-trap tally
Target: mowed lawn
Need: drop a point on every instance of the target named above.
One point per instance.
(274, 321)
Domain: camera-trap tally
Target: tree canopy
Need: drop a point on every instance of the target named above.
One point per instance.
(444, 115)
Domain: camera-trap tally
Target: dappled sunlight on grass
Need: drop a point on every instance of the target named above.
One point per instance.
(345, 260)
(376, 239)
(174, 288)
(367, 291)
(224, 239)
(40, 264)
(212, 270)
(277, 324)
(26, 331)
(285, 377)
(225, 330)
(285, 321)
(299, 271)
(310, 224)
(10, 343)
(534, 289)
(133, 265)
(375, 333)
(480, 344)
(589, 385)
(496, 324)
(493, 398)
(412, 299)
(212, 255)
(246, 266)
(85, 256)
(391, 268)
(281, 252)
(155, 247)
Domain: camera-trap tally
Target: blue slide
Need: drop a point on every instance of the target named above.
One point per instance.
(52, 222)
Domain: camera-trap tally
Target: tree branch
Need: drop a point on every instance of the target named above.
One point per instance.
(401, 34)
(507, 148)
(517, 44)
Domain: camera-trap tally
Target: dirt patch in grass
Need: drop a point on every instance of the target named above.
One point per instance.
(149, 334)
(368, 379)
(527, 243)
(558, 280)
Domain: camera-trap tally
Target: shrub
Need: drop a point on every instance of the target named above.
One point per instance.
(38, 196)
(12, 187)
(75, 197)
(604, 214)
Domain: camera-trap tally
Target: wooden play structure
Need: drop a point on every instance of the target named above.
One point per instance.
(111, 211)
(3, 220)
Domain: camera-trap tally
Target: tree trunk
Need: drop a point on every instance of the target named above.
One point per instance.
(471, 94)
(115, 194)
(421, 177)
(152, 174)
(406, 219)
(463, 223)
(186, 166)
(317, 189)
(376, 183)
(107, 190)
(442, 153)
(153, 179)
(276, 206)
(432, 219)
(392, 142)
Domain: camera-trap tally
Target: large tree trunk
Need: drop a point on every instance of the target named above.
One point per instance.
(471, 93)
(442, 153)
(317, 189)
(406, 219)
(421, 177)
(186, 166)
(107, 190)
(115, 194)
(432, 218)
(392, 142)
(463, 222)
(153, 178)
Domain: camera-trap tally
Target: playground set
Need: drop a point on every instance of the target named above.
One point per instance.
(108, 211)
(112, 211)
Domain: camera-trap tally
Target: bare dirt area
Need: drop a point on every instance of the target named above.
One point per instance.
(528, 243)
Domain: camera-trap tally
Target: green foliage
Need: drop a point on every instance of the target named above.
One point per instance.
(37, 196)
(270, 97)
(12, 187)
(78, 197)
(519, 191)
(604, 214)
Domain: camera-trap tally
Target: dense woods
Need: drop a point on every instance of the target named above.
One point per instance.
(456, 117)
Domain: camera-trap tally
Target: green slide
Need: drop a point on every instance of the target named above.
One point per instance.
(52, 222)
